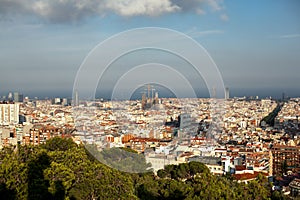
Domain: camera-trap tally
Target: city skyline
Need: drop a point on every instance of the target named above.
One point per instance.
(255, 45)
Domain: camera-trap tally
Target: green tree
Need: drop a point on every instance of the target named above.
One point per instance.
(63, 170)
(59, 144)
(162, 173)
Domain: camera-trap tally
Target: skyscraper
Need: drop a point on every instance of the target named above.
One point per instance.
(10, 96)
(18, 97)
(76, 99)
(227, 93)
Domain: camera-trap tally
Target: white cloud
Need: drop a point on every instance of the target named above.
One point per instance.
(141, 7)
(60, 11)
(224, 17)
(216, 5)
(200, 11)
(286, 36)
(41, 7)
(194, 33)
(290, 36)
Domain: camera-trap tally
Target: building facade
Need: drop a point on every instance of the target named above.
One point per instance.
(9, 113)
(284, 159)
(295, 187)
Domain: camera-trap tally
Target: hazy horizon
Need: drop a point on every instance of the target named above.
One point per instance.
(254, 44)
(201, 93)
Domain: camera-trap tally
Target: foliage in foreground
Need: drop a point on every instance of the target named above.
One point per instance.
(62, 170)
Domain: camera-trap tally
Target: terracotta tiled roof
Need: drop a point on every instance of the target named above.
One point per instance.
(247, 176)
(240, 167)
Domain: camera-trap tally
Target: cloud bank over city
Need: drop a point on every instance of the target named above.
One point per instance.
(62, 11)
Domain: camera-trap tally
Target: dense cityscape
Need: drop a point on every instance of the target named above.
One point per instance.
(149, 100)
(254, 136)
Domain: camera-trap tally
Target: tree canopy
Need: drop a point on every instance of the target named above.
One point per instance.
(60, 169)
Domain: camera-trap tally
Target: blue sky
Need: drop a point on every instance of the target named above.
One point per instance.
(255, 44)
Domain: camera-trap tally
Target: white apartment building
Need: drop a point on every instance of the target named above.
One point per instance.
(9, 113)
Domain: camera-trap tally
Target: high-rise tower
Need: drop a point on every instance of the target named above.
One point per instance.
(76, 99)
(18, 97)
(227, 93)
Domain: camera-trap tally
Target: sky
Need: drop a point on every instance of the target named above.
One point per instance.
(255, 44)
